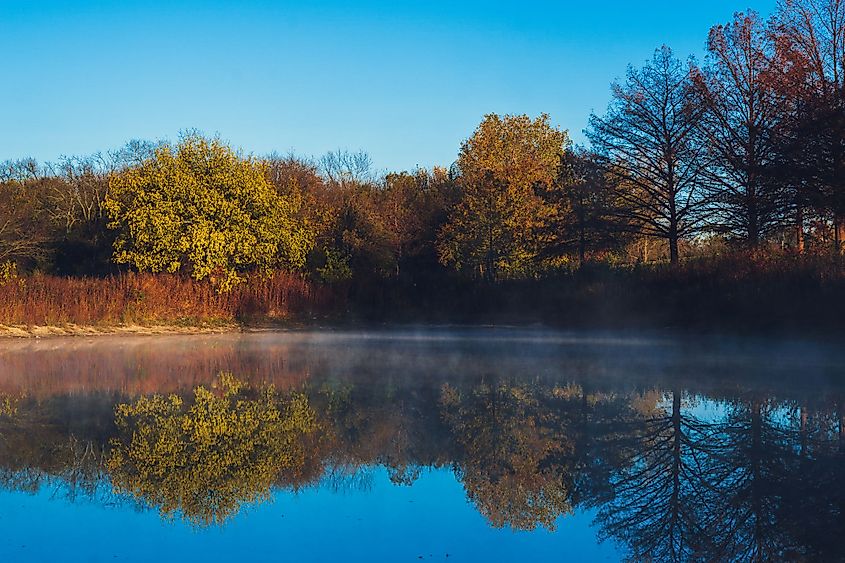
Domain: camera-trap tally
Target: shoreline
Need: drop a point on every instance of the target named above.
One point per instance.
(56, 331)
(71, 330)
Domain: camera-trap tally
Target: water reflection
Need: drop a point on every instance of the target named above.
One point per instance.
(680, 450)
(206, 459)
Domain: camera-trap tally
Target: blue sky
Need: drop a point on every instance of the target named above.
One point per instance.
(406, 81)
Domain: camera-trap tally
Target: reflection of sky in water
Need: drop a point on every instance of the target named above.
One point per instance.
(702, 408)
(381, 522)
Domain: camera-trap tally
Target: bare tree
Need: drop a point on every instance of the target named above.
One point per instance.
(22, 237)
(20, 171)
(648, 141)
(739, 124)
(344, 168)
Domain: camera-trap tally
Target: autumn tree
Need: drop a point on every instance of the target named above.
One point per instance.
(495, 230)
(585, 218)
(648, 142)
(411, 205)
(810, 36)
(287, 172)
(200, 207)
(352, 241)
(739, 123)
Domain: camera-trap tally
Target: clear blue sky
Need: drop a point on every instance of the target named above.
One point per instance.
(406, 81)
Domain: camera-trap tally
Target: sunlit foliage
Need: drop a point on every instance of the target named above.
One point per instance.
(202, 208)
(495, 230)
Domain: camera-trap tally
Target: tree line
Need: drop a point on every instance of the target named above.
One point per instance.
(743, 151)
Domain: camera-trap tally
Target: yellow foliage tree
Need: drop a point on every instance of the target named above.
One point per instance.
(201, 207)
(206, 460)
(496, 230)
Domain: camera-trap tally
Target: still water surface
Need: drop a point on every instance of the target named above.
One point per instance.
(470, 445)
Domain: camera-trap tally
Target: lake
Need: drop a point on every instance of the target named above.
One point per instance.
(408, 445)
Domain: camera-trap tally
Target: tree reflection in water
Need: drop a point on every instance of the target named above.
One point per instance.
(659, 498)
(671, 472)
(514, 453)
(206, 459)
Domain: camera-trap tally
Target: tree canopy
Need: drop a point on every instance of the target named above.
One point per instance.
(201, 208)
(495, 230)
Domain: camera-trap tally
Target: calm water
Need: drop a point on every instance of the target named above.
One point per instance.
(475, 445)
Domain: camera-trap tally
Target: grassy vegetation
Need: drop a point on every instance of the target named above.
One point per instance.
(147, 299)
(780, 292)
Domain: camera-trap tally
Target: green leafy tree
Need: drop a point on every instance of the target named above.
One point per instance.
(496, 230)
(202, 208)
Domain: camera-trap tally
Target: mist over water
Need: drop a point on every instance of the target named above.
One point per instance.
(459, 444)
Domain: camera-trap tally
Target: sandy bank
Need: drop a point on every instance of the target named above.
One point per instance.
(34, 331)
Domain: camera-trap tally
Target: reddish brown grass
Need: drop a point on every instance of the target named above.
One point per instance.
(141, 299)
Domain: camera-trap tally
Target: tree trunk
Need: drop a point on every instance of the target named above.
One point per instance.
(799, 229)
(677, 464)
(673, 249)
(582, 247)
(756, 455)
(803, 429)
(753, 227)
(838, 234)
(673, 232)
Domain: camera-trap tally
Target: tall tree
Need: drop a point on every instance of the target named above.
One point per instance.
(496, 229)
(648, 140)
(810, 36)
(584, 200)
(739, 124)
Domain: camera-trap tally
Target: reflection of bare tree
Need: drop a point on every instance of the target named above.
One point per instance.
(811, 500)
(605, 427)
(38, 456)
(513, 452)
(750, 478)
(659, 502)
(757, 485)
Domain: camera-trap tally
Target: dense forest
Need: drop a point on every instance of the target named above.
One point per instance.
(710, 191)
